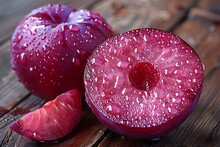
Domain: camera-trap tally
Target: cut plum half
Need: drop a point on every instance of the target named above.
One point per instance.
(53, 121)
(143, 83)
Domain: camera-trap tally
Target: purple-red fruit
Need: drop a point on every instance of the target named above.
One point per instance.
(56, 119)
(50, 46)
(143, 83)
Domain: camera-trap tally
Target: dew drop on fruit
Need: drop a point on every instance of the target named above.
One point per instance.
(169, 109)
(44, 48)
(73, 60)
(43, 37)
(23, 58)
(80, 20)
(34, 30)
(203, 66)
(19, 38)
(35, 135)
(24, 46)
(113, 109)
(31, 69)
(194, 80)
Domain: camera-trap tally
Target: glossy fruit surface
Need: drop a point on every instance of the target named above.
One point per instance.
(50, 46)
(143, 83)
(56, 119)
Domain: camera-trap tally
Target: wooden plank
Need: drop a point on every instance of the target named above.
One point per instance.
(11, 91)
(196, 35)
(209, 50)
(207, 9)
(210, 5)
(4, 60)
(113, 139)
(125, 15)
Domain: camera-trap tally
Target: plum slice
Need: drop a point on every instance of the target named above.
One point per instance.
(53, 121)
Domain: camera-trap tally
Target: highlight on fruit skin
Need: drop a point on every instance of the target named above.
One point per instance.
(54, 120)
(143, 83)
(50, 46)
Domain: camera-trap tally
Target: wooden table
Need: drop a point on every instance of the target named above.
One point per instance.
(196, 21)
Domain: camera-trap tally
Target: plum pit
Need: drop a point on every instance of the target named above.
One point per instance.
(144, 76)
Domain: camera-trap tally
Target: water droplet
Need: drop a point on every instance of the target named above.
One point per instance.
(113, 109)
(37, 53)
(31, 68)
(203, 66)
(20, 38)
(119, 64)
(34, 30)
(177, 64)
(145, 39)
(74, 28)
(80, 20)
(23, 58)
(155, 94)
(44, 48)
(123, 91)
(179, 81)
(24, 46)
(194, 80)
(169, 109)
(43, 37)
(93, 60)
(73, 60)
(135, 50)
(165, 71)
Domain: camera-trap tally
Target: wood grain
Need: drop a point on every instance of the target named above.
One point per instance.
(125, 15)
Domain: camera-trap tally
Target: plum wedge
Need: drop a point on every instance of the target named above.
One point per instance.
(53, 121)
